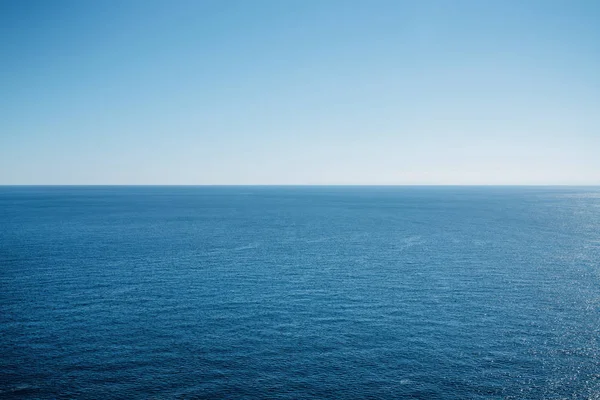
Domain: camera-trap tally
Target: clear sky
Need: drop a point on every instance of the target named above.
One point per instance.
(300, 92)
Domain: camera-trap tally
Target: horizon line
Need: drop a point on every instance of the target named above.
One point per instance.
(306, 185)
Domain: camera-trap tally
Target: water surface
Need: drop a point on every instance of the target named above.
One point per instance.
(299, 292)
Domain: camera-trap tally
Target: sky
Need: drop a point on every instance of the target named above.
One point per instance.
(300, 92)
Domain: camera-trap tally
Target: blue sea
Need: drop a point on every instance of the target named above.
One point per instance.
(299, 292)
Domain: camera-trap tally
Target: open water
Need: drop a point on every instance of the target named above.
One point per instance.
(299, 292)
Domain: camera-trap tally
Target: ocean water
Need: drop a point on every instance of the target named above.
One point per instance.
(299, 292)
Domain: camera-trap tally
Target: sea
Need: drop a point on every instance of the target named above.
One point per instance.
(299, 292)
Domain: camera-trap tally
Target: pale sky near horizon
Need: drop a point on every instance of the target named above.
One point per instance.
(300, 92)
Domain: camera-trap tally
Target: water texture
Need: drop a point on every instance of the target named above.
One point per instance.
(299, 292)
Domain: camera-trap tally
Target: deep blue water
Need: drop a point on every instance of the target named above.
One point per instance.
(299, 292)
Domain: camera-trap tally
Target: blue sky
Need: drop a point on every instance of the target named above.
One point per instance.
(300, 92)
